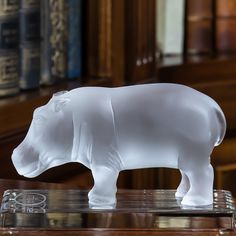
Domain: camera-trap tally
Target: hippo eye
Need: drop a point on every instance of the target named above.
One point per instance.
(39, 120)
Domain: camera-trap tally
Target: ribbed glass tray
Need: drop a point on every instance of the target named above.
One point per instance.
(136, 210)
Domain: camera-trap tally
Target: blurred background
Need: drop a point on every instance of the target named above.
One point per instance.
(52, 45)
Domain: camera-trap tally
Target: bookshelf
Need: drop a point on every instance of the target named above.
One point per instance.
(132, 42)
(16, 111)
(207, 64)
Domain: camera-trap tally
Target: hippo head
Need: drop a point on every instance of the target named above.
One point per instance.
(49, 140)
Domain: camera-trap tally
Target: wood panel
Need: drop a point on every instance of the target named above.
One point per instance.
(196, 69)
(7, 144)
(118, 47)
(224, 162)
(198, 27)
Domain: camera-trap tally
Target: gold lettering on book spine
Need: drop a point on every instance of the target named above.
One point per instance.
(8, 69)
(8, 7)
(58, 19)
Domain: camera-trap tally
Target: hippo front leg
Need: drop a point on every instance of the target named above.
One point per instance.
(103, 193)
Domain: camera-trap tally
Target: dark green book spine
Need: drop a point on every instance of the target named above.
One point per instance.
(54, 41)
(29, 46)
(9, 41)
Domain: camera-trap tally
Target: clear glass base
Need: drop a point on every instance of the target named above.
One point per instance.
(135, 209)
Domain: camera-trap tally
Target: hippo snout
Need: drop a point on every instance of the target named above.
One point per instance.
(25, 160)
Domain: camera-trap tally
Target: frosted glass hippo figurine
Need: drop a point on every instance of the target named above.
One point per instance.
(113, 129)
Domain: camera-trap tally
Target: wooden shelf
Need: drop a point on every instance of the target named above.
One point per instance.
(196, 69)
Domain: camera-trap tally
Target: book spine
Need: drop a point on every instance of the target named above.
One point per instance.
(170, 26)
(53, 58)
(225, 25)
(140, 40)
(74, 53)
(45, 52)
(9, 39)
(105, 39)
(199, 27)
(99, 38)
(29, 45)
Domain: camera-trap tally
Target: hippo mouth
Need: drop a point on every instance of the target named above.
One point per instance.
(26, 161)
(31, 171)
(31, 168)
(30, 164)
(41, 168)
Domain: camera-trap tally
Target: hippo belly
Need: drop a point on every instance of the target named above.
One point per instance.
(143, 143)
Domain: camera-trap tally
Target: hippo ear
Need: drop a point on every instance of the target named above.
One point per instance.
(60, 103)
(60, 100)
(57, 94)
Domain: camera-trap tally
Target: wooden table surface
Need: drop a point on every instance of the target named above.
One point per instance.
(11, 184)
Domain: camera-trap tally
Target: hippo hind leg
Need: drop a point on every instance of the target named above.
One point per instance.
(183, 186)
(200, 174)
(103, 193)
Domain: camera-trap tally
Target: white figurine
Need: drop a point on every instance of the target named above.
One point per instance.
(114, 129)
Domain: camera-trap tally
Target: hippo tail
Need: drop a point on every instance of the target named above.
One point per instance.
(221, 123)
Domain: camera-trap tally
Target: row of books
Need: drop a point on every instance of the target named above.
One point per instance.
(66, 39)
(196, 26)
(36, 43)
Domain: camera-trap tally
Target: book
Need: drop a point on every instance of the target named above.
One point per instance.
(9, 55)
(29, 45)
(225, 24)
(53, 30)
(99, 38)
(170, 26)
(140, 40)
(199, 27)
(74, 50)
